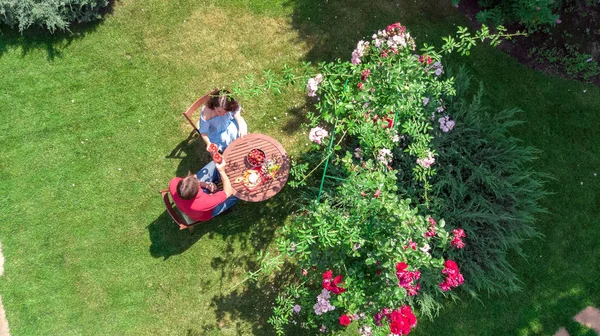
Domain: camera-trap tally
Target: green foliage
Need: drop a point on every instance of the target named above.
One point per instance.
(533, 14)
(51, 14)
(485, 186)
(360, 227)
(576, 64)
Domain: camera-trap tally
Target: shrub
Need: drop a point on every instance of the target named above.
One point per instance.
(533, 14)
(365, 251)
(486, 187)
(51, 14)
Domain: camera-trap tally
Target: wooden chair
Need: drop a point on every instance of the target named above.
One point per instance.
(178, 216)
(191, 115)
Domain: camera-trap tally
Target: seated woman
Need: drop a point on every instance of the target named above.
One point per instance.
(221, 121)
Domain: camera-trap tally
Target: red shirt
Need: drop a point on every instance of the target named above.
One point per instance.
(201, 207)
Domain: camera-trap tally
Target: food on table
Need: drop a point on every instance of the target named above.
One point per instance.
(213, 148)
(269, 169)
(251, 179)
(256, 157)
(217, 158)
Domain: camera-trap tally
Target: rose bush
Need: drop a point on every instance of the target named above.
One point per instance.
(366, 253)
(388, 257)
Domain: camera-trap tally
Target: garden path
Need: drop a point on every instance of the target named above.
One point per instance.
(590, 317)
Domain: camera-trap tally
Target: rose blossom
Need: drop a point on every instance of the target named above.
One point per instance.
(365, 331)
(345, 320)
(358, 52)
(428, 161)
(385, 156)
(323, 305)
(457, 241)
(402, 321)
(446, 124)
(296, 309)
(317, 135)
(358, 153)
(453, 276)
(364, 74)
(313, 85)
(411, 244)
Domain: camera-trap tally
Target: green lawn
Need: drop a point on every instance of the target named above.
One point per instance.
(92, 130)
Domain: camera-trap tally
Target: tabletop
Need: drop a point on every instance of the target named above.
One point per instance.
(235, 158)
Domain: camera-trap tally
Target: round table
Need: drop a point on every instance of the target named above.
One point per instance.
(235, 157)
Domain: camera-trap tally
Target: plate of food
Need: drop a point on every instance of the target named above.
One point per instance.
(251, 179)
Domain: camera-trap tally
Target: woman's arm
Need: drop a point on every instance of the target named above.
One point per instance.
(242, 126)
(204, 137)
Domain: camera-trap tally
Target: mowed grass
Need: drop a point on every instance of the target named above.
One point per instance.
(92, 130)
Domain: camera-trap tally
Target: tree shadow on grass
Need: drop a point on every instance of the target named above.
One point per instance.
(248, 229)
(255, 303)
(39, 38)
(334, 27)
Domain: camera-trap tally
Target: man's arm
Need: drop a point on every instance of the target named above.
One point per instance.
(227, 188)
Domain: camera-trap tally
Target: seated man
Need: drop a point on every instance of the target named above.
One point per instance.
(198, 196)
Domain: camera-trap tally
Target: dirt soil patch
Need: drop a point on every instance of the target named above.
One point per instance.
(547, 50)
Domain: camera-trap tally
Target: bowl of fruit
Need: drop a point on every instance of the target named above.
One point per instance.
(256, 157)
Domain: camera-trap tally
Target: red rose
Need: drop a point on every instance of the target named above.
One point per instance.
(360, 85)
(345, 320)
(328, 274)
(337, 290)
(401, 266)
(365, 74)
(377, 193)
(451, 264)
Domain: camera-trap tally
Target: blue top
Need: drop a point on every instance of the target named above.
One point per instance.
(221, 130)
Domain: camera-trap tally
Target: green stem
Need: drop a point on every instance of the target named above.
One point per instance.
(320, 163)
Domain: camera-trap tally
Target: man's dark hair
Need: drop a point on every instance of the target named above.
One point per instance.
(188, 188)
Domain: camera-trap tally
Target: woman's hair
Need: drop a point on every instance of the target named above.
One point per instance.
(222, 98)
(188, 188)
